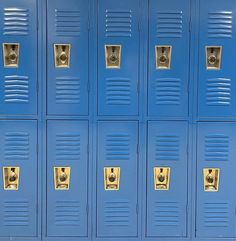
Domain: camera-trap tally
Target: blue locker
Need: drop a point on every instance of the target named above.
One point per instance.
(18, 207)
(117, 143)
(118, 25)
(67, 85)
(67, 146)
(216, 86)
(216, 209)
(166, 213)
(169, 23)
(18, 70)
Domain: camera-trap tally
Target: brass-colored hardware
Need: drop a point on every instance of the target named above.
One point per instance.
(112, 178)
(213, 57)
(211, 179)
(163, 56)
(11, 55)
(62, 55)
(62, 178)
(161, 178)
(113, 56)
(11, 176)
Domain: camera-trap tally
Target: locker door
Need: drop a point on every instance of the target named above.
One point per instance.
(18, 181)
(118, 57)
(216, 79)
(117, 206)
(18, 55)
(168, 74)
(216, 206)
(166, 208)
(67, 58)
(67, 197)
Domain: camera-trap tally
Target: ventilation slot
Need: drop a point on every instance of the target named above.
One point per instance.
(117, 214)
(67, 213)
(118, 23)
(68, 146)
(117, 147)
(220, 25)
(16, 89)
(166, 214)
(218, 91)
(216, 215)
(16, 146)
(16, 21)
(16, 213)
(169, 24)
(216, 148)
(67, 90)
(167, 148)
(67, 22)
(167, 91)
(118, 91)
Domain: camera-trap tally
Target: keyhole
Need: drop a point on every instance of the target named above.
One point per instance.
(63, 56)
(63, 175)
(163, 58)
(13, 176)
(212, 57)
(112, 176)
(12, 54)
(210, 178)
(113, 58)
(161, 176)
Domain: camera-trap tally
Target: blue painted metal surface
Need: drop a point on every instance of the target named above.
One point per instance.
(135, 117)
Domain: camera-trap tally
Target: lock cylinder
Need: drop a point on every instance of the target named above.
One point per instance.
(161, 178)
(111, 178)
(11, 178)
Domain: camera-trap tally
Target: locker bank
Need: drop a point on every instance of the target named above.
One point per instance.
(117, 120)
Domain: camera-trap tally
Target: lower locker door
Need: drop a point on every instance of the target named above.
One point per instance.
(216, 167)
(18, 192)
(117, 179)
(167, 179)
(67, 174)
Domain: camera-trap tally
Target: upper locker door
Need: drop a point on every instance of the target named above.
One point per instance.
(217, 49)
(168, 68)
(118, 57)
(167, 168)
(216, 199)
(67, 178)
(67, 58)
(117, 180)
(18, 167)
(18, 69)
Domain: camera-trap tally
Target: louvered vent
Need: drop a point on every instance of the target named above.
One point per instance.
(117, 213)
(169, 24)
(67, 23)
(16, 21)
(67, 213)
(216, 214)
(166, 214)
(118, 147)
(167, 148)
(167, 91)
(68, 146)
(118, 23)
(16, 146)
(67, 90)
(118, 91)
(220, 24)
(216, 148)
(218, 91)
(16, 213)
(16, 89)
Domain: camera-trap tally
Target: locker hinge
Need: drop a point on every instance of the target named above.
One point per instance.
(88, 86)
(138, 86)
(87, 208)
(139, 26)
(190, 26)
(37, 208)
(187, 149)
(88, 149)
(89, 27)
(137, 148)
(137, 208)
(37, 86)
(37, 148)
